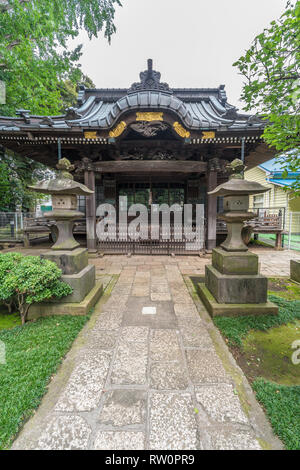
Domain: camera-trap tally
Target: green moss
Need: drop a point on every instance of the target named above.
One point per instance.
(8, 321)
(270, 351)
(235, 329)
(284, 288)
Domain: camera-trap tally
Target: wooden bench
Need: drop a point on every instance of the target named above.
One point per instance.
(268, 224)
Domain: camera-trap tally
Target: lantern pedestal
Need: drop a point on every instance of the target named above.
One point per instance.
(66, 252)
(233, 285)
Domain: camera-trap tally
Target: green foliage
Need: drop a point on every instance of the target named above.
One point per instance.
(16, 173)
(282, 406)
(272, 70)
(68, 91)
(34, 58)
(235, 329)
(33, 354)
(29, 280)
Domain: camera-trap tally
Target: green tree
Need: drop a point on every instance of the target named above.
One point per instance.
(68, 91)
(34, 58)
(272, 70)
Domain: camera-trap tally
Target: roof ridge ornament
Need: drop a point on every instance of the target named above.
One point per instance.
(150, 80)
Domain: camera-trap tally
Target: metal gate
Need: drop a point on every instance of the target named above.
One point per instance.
(176, 243)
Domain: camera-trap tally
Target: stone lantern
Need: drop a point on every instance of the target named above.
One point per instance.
(233, 285)
(66, 252)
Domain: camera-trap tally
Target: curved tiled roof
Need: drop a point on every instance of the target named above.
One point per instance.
(197, 108)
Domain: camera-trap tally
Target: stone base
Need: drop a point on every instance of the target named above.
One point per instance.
(59, 308)
(216, 309)
(234, 263)
(82, 283)
(295, 270)
(70, 262)
(234, 289)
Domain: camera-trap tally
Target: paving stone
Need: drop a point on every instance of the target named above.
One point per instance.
(109, 321)
(232, 440)
(159, 288)
(224, 406)
(164, 318)
(160, 297)
(124, 408)
(119, 440)
(194, 334)
(164, 346)
(205, 366)
(66, 432)
(83, 390)
(168, 376)
(140, 291)
(186, 310)
(101, 339)
(134, 333)
(179, 298)
(130, 364)
(172, 422)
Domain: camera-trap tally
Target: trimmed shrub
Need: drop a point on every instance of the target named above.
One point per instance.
(7, 263)
(29, 280)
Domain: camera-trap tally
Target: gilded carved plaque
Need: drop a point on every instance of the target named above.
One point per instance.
(181, 130)
(118, 130)
(149, 116)
(208, 135)
(90, 135)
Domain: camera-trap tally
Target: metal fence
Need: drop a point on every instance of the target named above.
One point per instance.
(13, 224)
(292, 241)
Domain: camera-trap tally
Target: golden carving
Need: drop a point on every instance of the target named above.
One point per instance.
(181, 130)
(208, 135)
(90, 135)
(118, 129)
(149, 116)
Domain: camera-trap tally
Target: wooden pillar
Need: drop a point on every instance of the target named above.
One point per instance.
(90, 207)
(211, 212)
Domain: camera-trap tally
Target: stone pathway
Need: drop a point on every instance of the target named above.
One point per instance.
(149, 378)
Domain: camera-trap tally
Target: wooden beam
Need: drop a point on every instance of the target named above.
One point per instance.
(90, 207)
(211, 233)
(146, 166)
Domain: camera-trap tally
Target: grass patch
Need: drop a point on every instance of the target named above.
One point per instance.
(33, 354)
(281, 404)
(235, 329)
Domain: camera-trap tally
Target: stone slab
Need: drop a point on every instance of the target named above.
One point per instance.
(232, 440)
(234, 263)
(79, 308)
(130, 364)
(168, 376)
(234, 289)
(164, 317)
(119, 440)
(82, 283)
(172, 422)
(65, 432)
(70, 262)
(164, 346)
(295, 270)
(225, 406)
(124, 408)
(205, 366)
(234, 310)
(84, 388)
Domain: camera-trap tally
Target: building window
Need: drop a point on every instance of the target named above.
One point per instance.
(258, 201)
